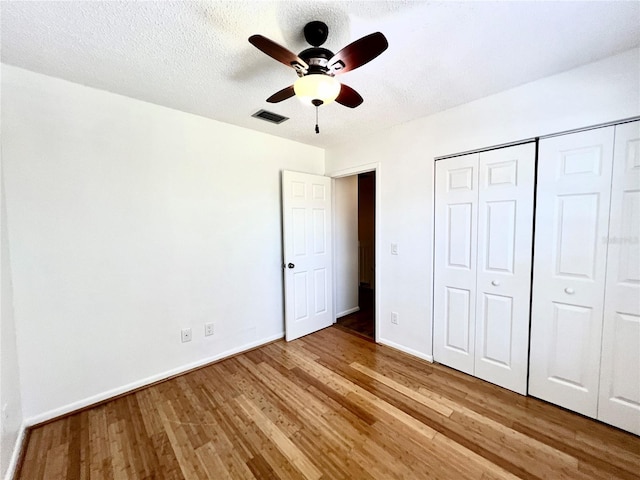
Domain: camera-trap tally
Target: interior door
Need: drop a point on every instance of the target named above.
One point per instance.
(572, 210)
(619, 401)
(505, 236)
(455, 261)
(308, 275)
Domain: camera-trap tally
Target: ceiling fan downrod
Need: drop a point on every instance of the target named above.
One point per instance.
(317, 103)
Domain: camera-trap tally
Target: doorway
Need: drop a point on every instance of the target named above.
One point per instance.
(362, 284)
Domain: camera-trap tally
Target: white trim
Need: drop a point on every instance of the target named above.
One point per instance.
(410, 351)
(549, 135)
(591, 127)
(72, 407)
(369, 167)
(377, 240)
(17, 450)
(486, 149)
(333, 249)
(348, 312)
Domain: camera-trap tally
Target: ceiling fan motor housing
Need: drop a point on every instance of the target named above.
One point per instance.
(317, 58)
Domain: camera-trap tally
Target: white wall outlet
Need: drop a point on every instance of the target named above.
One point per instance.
(394, 249)
(394, 318)
(208, 329)
(186, 335)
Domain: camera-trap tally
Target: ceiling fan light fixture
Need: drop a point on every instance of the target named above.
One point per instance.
(316, 86)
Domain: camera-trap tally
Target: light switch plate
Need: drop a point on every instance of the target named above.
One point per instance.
(394, 249)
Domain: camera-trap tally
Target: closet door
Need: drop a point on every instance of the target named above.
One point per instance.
(572, 210)
(505, 224)
(619, 402)
(455, 261)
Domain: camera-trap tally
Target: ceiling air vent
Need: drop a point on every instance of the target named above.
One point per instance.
(268, 116)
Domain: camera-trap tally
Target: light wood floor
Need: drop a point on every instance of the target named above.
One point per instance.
(329, 406)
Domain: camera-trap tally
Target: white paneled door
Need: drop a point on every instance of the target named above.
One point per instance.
(308, 276)
(572, 219)
(505, 237)
(619, 400)
(482, 268)
(455, 261)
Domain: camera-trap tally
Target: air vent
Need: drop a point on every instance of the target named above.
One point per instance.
(268, 116)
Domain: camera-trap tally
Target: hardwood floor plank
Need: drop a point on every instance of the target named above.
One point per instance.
(284, 444)
(466, 460)
(56, 462)
(207, 456)
(33, 466)
(328, 406)
(180, 440)
(167, 461)
(362, 413)
(99, 446)
(597, 461)
(76, 428)
(435, 405)
(514, 444)
(261, 468)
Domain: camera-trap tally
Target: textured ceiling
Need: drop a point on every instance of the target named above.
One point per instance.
(195, 57)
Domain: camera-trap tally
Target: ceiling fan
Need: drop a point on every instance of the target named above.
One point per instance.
(316, 66)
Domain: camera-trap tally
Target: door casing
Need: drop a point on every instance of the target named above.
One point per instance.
(370, 167)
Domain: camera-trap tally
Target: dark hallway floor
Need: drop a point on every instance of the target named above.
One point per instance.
(362, 321)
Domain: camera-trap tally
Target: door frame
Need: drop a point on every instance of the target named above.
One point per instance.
(347, 172)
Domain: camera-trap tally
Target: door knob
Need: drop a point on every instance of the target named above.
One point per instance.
(495, 283)
(291, 265)
(569, 290)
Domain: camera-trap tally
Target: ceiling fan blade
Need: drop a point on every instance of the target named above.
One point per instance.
(282, 95)
(278, 52)
(358, 53)
(349, 97)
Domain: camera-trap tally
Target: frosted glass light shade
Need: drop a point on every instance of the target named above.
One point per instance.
(316, 87)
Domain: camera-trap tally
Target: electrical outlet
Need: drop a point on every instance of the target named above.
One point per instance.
(394, 318)
(208, 329)
(186, 335)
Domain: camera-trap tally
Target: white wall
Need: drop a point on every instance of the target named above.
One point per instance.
(346, 244)
(11, 429)
(604, 91)
(128, 222)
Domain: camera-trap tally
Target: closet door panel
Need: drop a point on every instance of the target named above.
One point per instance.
(572, 209)
(455, 261)
(505, 224)
(619, 402)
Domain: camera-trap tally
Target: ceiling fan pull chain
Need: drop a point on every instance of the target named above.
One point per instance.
(317, 128)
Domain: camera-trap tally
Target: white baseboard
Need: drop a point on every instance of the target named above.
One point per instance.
(347, 312)
(72, 407)
(410, 351)
(17, 451)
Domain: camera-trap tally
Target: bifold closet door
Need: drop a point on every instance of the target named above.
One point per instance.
(455, 261)
(572, 219)
(503, 285)
(619, 401)
(482, 267)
